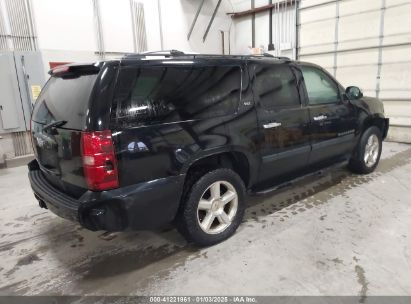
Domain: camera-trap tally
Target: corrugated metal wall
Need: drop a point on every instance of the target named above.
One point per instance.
(21, 143)
(365, 43)
(17, 29)
(18, 33)
(98, 29)
(139, 26)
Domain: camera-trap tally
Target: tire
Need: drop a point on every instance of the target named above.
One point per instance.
(368, 152)
(204, 224)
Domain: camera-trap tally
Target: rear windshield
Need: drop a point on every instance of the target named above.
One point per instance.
(152, 95)
(65, 99)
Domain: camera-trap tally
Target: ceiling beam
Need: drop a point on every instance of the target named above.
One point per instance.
(195, 19)
(211, 20)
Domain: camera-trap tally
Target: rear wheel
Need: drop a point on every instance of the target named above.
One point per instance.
(368, 152)
(213, 207)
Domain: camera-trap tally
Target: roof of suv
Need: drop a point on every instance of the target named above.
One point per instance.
(181, 56)
(164, 57)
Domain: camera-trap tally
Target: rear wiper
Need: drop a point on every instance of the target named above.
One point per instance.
(54, 124)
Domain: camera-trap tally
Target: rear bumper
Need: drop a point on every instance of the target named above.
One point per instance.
(146, 205)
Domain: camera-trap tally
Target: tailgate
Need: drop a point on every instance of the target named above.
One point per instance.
(58, 118)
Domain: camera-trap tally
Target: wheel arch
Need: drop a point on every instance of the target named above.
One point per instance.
(237, 160)
(377, 120)
(367, 121)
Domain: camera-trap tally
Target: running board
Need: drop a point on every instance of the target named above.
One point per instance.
(290, 183)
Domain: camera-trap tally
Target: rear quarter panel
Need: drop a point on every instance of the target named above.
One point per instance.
(148, 153)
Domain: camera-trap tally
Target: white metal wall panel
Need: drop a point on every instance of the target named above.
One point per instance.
(396, 80)
(394, 2)
(353, 26)
(397, 19)
(261, 33)
(312, 3)
(65, 25)
(359, 76)
(315, 14)
(115, 19)
(348, 7)
(325, 60)
(358, 58)
(242, 36)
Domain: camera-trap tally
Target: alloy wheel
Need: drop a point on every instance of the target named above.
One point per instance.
(217, 207)
(372, 149)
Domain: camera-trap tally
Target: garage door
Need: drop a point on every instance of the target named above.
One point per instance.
(365, 43)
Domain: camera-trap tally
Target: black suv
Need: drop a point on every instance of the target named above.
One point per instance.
(161, 138)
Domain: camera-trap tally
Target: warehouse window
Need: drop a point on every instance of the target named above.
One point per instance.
(276, 87)
(151, 95)
(321, 88)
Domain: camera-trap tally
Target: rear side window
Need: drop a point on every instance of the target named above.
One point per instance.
(151, 95)
(65, 99)
(321, 89)
(276, 87)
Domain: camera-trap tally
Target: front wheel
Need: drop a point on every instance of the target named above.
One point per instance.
(368, 152)
(213, 207)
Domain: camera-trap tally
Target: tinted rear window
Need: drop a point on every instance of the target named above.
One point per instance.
(153, 95)
(65, 99)
(276, 87)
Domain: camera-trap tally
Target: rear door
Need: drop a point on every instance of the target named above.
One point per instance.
(167, 114)
(58, 118)
(283, 120)
(333, 121)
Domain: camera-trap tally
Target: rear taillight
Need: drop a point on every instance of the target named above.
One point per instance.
(99, 160)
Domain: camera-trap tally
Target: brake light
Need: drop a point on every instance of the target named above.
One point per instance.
(99, 160)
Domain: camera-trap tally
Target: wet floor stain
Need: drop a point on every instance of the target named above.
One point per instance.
(6, 248)
(120, 259)
(115, 263)
(361, 279)
(9, 289)
(337, 261)
(315, 191)
(23, 218)
(26, 260)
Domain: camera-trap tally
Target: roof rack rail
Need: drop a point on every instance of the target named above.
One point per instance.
(176, 53)
(278, 57)
(163, 52)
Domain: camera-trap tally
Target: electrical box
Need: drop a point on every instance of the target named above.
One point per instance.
(21, 79)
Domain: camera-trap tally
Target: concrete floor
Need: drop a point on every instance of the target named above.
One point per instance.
(340, 234)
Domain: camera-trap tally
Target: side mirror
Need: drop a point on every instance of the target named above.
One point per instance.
(354, 92)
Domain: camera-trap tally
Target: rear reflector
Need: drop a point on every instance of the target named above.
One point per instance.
(99, 160)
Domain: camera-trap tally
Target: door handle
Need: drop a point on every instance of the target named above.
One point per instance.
(320, 117)
(272, 125)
